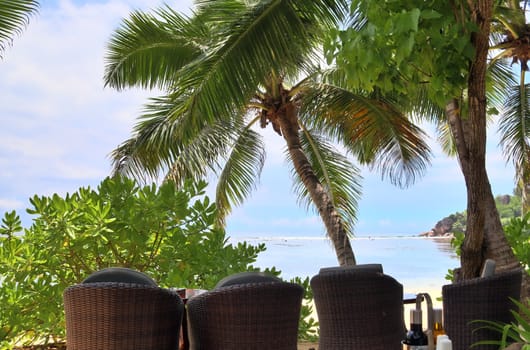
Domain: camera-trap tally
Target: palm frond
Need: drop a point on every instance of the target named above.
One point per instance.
(14, 18)
(512, 19)
(269, 36)
(514, 126)
(340, 178)
(241, 171)
(445, 138)
(372, 128)
(147, 50)
(165, 133)
(423, 108)
(500, 78)
(204, 153)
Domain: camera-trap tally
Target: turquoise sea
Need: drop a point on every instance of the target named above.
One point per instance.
(419, 263)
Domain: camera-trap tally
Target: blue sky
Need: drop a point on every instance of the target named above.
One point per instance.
(59, 124)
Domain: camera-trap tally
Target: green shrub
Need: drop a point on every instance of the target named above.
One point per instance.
(308, 326)
(518, 234)
(514, 332)
(516, 229)
(165, 232)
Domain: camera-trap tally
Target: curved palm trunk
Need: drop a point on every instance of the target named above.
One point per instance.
(289, 127)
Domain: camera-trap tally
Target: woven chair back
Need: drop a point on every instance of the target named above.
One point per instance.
(253, 316)
(358, 309)
(479, 299)
(116, 315)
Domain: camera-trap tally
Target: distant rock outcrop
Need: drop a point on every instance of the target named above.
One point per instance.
(443, 228)
(507, 205)
(504, 199)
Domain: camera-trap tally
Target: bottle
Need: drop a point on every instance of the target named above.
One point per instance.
(444, 343)
(415, 339)
(438, 328)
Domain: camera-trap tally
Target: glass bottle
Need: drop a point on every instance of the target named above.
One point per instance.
(415, 339)
(438, 328)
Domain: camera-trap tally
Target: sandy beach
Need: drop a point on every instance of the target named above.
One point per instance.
(307, 346)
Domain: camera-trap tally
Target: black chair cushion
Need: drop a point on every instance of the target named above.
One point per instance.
(120, 274)
(354, 268)
(245, 278)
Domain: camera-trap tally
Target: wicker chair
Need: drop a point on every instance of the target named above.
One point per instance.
(479, 299)
(120, 315)
(358, 309)
(245, 278)
(252, 316)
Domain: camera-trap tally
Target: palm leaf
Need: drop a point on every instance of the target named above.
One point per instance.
(500, 78)
(14, 17)
(167, 137)
(511, 18)
(241, 171)
(445, 138)
(422, 108)
(147, 50)
(269, 36)
(340, 178)
(204, 153)
(370, 127)
(514, 126)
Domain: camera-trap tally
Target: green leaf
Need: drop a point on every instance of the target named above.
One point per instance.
(407, 21)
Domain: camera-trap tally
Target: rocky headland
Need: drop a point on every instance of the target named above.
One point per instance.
(442, 229)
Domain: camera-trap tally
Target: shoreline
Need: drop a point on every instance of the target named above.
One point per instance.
(324, 238)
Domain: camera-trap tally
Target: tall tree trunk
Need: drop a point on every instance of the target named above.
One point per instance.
(468, 140)
(474, 165)
(484, 236)
(497, 246)
(332, 221)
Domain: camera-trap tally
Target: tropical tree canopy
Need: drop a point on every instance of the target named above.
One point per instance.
(14, 17)
(234, 66)
(438, 51)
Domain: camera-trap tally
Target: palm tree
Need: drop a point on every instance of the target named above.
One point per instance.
(511, 40)
(14, 17)
(235, 65)
(466, 117)
(439, 51)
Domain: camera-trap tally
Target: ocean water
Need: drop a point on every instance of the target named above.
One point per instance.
(419, 263)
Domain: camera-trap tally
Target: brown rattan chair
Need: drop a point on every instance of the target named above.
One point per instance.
(121, 315)
(358, 309)
(251, 316)
(479, 299)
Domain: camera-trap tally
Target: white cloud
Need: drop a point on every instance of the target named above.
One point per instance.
(10, 204)
(59, 123)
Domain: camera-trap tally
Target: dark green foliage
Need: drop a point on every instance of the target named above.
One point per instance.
(518, 235)
(516, 228)
(165, 232)
(308, 326)
(459, 221)
(400, 46)
(514, 332)
(507, 206)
